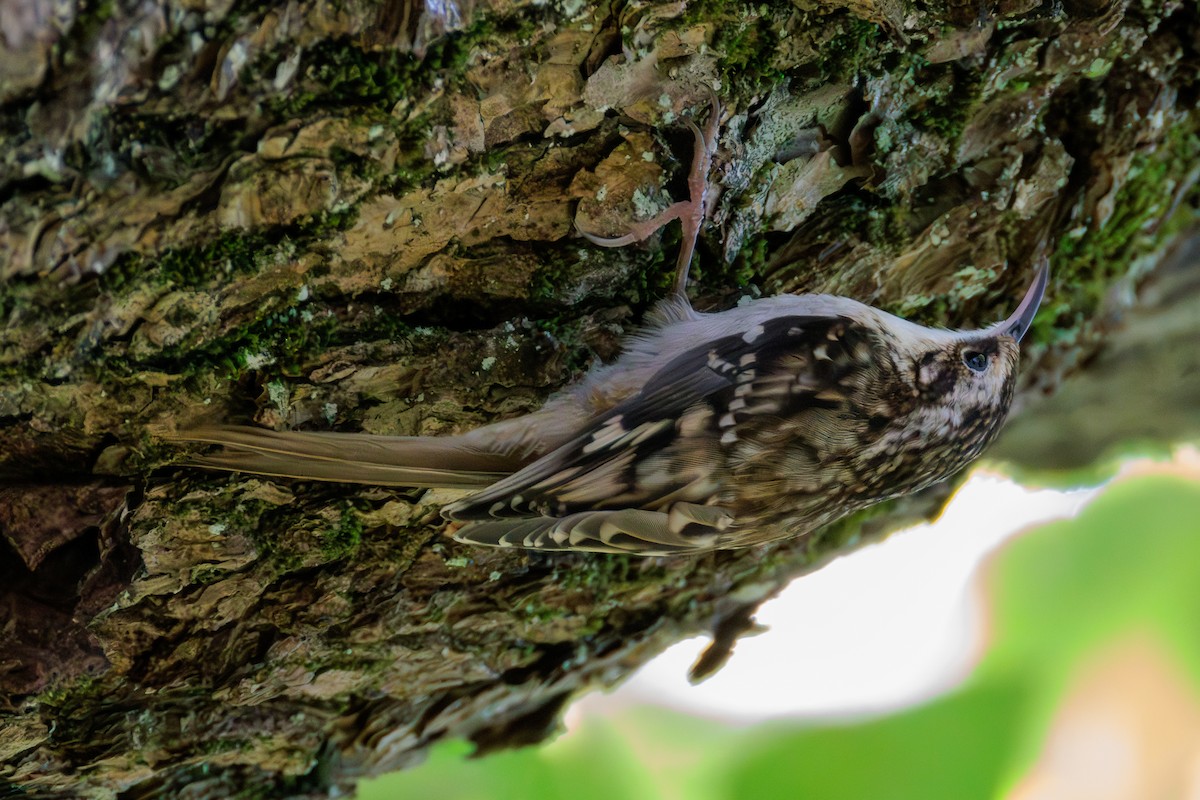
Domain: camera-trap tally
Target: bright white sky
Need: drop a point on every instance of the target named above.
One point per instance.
(881, 628)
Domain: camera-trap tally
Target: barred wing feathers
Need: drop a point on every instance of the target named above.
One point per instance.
(649, 476)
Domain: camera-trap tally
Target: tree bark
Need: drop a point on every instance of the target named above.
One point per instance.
(360, 216)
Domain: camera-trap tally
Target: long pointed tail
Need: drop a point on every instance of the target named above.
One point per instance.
(418, 461)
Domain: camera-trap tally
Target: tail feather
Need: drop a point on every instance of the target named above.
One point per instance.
(418, 461)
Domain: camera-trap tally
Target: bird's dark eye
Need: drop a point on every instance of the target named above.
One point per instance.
(975, 360)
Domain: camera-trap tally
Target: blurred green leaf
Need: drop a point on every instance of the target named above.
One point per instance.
(595, 763)
(1129, 560)
(1128, 563)
(956, 748)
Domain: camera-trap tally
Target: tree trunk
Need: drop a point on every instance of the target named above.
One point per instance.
(361, 216)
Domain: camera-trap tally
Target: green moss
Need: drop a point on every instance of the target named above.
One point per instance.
(353, 163)
(601, 573)
(886, 225)
(559, 271)
(278, 343)
(656, 274)
(344, 538)
(1085, 266)
(947, 98)
(84, 690)
(752, 55)
(232, 253)
(283, 337)
(746, 40)
(854, 47)
(339, 73)
(327, 222)
(747, 268)
(414, 170)
(290, 336)
(742, 43)
(565, 328)
(206, 574)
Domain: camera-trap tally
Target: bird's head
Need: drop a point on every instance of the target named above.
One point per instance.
(962, 385)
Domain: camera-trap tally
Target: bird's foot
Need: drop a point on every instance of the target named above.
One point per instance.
(690, 212)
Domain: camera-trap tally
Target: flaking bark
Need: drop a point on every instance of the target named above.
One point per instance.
(360, 217)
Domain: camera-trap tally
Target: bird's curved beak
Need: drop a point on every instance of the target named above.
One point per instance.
(1018, 324)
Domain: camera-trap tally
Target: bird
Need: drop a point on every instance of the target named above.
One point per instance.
(711, 431)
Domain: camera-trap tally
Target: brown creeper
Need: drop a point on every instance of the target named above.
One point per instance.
(710, 431)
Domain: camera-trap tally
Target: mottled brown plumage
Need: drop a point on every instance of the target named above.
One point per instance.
(711, 431)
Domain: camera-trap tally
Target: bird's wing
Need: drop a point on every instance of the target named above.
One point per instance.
(661, 452)
(684, 528)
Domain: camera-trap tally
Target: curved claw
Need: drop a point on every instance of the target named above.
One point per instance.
(608, 241)
(640, 230)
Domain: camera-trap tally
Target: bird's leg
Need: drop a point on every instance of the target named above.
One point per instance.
(690, 213)
(692, 216)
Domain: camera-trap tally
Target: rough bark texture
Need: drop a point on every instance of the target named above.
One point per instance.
(360, 216)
